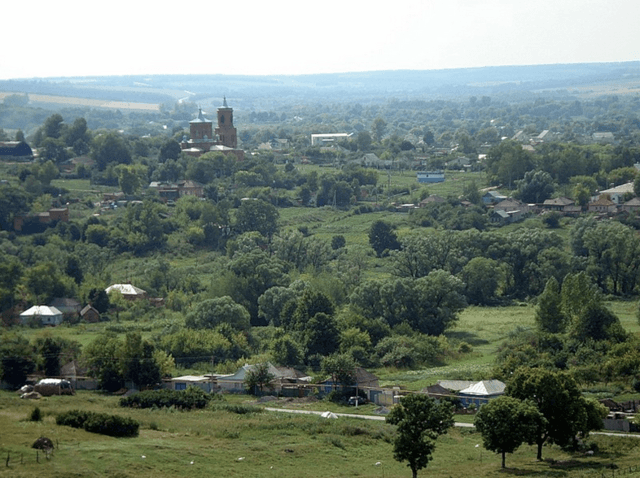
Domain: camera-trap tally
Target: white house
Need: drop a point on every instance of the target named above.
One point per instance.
(47, 315)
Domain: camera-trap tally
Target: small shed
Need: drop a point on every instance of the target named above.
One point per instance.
(90, 314)
(47, 315)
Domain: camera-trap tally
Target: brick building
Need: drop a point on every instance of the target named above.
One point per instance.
(204, 138)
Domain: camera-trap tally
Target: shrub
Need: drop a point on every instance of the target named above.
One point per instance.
(111, 425)
(105, 424)
(36, 415)
(72, 418)
(237, 408)
(189, 399)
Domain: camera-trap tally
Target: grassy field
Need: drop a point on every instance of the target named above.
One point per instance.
(212, 443)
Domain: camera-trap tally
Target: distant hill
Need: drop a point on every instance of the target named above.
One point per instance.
(249, 92)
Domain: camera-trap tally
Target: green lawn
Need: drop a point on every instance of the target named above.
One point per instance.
(218, 443)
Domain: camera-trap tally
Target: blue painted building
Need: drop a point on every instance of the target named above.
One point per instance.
(430, 176)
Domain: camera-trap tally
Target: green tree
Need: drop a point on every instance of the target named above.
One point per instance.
(577, 293)
(363, 140)
(481, 277)
(53, 127)
(138, 361)
(549, 315)
(286, 351)
(597, 322)
(110, 148)
(77, 133)
(535, 187)
(258, 377)
(170, 150)
(321, 335)
(382, 238)
(505, 423)
(341, 368)
(99, 299)
(378, 127)
(53, 352)
(103, 356)
(52, 149)
(210, 313)
(131, 177)
(257, 215)
(338, 242)
(13, 201)
(558, 399)
(420, 420)
(508, 162)
(17, 359)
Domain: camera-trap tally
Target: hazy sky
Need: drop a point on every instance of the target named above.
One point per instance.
(80, 38)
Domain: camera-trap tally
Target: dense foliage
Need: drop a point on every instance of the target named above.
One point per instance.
(103, 423)
(191, 398)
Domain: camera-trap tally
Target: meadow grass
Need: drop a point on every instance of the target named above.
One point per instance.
(213, 441)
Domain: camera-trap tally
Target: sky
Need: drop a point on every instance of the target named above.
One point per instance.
(69, 38)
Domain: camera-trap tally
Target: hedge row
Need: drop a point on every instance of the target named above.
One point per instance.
(105, 424)
(189, 399)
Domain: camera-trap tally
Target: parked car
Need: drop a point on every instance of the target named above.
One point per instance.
(357, 401)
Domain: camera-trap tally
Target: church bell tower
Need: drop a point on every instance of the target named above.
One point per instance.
(226, 132)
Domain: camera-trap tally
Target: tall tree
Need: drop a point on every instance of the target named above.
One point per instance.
(17, 359)
(212, 312)
(110, 148)
(257, 215)
(382, 238)
(505, 423)
(558, 399)
(420, 420)
(549, 315)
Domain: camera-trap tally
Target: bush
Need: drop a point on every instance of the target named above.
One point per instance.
(237, 408)
(189, 399)
(72, 418)
(36, 415)
(111, 425)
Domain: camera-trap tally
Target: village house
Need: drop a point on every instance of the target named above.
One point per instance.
(618, 193)
(603, 205)
(15, 151)
(492, 197)
(511, 204)
(632, 205)
(44, 314)
(174, 191)
(53, 215)
(557, 204)
(282, 376)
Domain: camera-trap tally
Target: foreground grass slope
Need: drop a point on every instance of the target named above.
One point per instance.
(270, 444)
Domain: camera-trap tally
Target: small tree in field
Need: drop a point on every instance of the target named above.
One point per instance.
(505, 423)
(420, 420)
